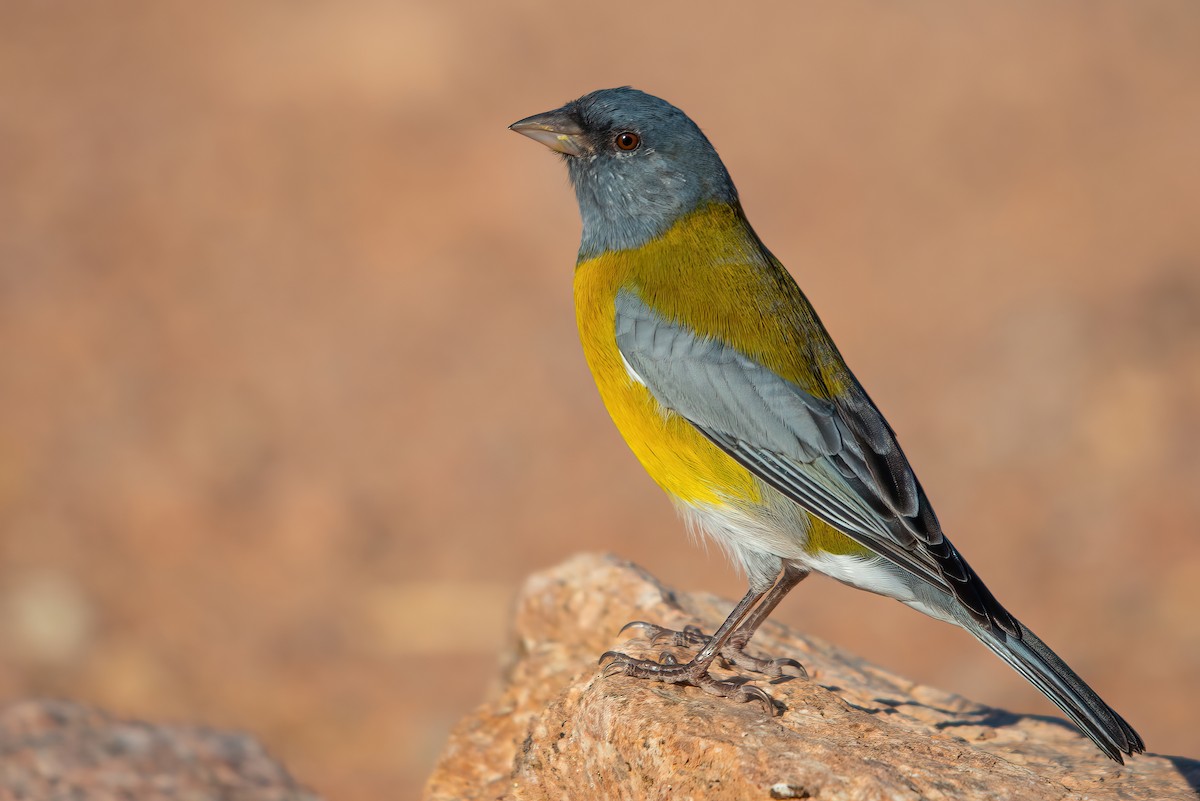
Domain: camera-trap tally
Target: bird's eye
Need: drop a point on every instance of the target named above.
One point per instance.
(628, 140)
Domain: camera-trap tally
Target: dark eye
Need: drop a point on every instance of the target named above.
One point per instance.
(628, 140)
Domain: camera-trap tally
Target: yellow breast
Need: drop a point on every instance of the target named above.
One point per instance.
(677, 456)
(709, 271)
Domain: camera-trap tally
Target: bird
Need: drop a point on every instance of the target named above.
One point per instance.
(723, 381)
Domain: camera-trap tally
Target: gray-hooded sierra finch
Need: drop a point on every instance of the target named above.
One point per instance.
(718, 373)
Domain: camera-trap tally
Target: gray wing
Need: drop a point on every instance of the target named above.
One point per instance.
(838, 459)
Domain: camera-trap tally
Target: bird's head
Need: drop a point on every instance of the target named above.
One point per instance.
(637, 164)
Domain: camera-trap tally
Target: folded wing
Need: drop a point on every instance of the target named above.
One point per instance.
(837, 457)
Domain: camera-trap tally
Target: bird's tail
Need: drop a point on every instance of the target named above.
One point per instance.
(1034, 660)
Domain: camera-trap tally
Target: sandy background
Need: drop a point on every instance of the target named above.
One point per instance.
(290, 392)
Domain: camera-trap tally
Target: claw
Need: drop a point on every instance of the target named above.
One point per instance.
(613, 669)
(614, 655)
(749, 692)
(638, 624)
(616, 667)
(782, 662)
(663, 634)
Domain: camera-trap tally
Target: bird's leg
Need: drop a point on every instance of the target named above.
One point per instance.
(696, 672)
(733, 651)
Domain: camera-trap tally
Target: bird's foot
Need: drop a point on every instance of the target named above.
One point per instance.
(693, 673)
(692, 638)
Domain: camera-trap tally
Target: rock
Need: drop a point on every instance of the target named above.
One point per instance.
(556, 729)
(52, 750)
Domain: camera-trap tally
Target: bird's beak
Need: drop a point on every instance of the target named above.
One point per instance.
(557, 130)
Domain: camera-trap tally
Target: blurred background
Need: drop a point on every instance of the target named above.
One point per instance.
(291, 397)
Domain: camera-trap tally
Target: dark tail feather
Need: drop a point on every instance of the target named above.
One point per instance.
(1030, 657)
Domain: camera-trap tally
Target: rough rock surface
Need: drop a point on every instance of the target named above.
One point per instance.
(556, 729)
(52, 750)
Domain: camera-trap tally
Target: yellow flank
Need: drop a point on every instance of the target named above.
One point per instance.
(709, 272)
(675, 454)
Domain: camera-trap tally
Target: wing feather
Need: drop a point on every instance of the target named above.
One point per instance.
(838, 459)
